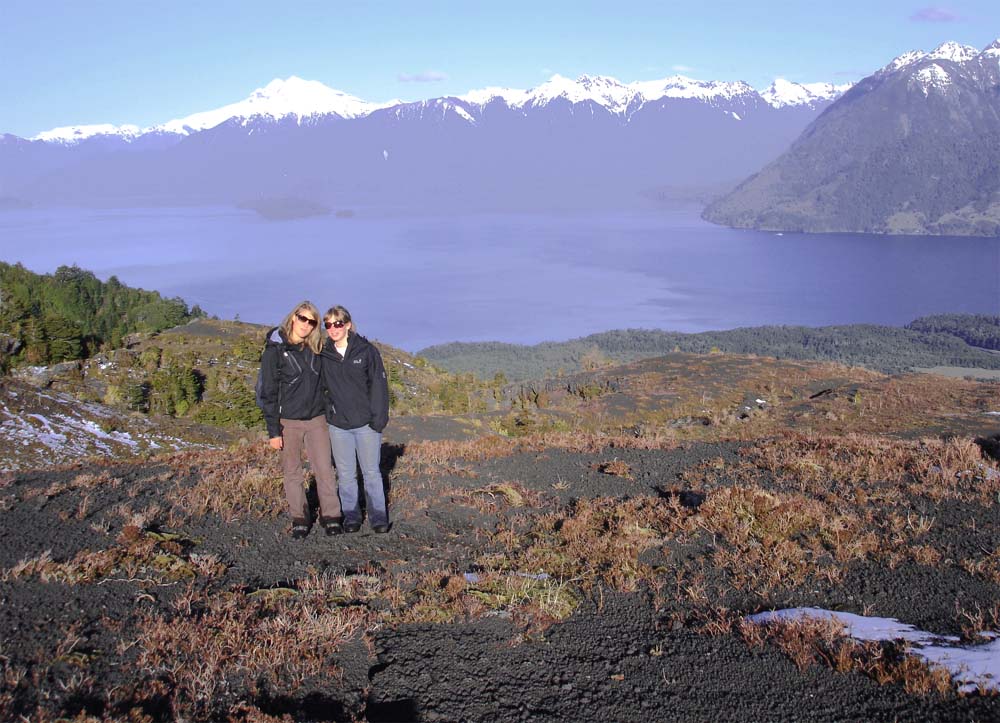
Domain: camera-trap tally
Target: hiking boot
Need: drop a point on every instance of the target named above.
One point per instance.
(300, 529)
(381, 528)
(331, 525)
(352, 526)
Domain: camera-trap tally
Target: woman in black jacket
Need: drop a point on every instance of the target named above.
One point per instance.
(290, 395)
(357, 411)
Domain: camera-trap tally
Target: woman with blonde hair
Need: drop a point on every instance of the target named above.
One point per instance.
(358, 411)
(290, 394)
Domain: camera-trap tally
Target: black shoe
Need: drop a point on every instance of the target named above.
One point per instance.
(331, 525)
(352, 526)
(300, 529)
(381, 528)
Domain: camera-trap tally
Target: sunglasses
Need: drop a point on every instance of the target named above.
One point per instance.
(305, 319)
(335, 324)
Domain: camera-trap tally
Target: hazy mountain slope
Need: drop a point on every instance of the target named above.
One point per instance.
(914, 148)
(566, 143)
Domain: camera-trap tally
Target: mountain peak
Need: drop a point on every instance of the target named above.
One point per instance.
(281, 98)
(953, 51)
(901, 61)
(992, 50)
(950, 50)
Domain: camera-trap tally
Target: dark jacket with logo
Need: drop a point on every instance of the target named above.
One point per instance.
(289, 384)
(356, 386)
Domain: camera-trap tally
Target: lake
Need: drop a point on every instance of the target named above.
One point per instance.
(524, 278)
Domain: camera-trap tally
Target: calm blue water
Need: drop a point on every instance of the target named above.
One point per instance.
(526, 278)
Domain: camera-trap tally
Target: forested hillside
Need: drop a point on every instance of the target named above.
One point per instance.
(974, 329)
(889, 349)
(72, 314)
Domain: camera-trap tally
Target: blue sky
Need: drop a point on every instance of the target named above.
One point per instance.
(141, 62)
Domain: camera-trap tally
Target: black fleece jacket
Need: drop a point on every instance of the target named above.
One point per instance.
(356, 387)
(290, 383)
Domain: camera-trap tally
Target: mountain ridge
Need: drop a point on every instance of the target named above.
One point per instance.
(912, 149)
(304, 99)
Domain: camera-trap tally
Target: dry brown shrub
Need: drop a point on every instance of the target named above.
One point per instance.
(442, 453)
(925, 555)
(441, 456)
(810, 640)
(616, 467)
(239, 640)
(245, 482)
(593, 442)
(778, 538)
(510, 494)
(596, 541)
(939, 469)
(137, 555)
(244, 712)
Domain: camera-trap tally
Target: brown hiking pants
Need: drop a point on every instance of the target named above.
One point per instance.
(311, 434)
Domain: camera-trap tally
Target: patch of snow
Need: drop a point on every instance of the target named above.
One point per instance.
(954, 52)
(70, 135)
(901, 61)
(951, 51)
(680, 86)
(292, 97)
(782, 93)
(463, 113)
(511, 96)
(617, 97)
(932, 76)
(969, 665)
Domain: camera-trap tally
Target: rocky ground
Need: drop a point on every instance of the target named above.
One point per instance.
(45, 427)
(588, 573)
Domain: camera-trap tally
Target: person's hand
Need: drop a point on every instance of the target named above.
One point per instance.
(276, 443)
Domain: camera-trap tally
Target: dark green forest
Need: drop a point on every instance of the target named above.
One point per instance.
(953, 340)
(71, 314)
(974, 329)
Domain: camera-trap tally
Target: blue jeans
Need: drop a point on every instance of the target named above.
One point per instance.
(351, 446)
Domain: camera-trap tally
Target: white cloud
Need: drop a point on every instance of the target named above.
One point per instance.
(427, 76)
(934, 14)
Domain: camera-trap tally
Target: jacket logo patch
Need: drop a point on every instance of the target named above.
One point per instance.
(358, 360)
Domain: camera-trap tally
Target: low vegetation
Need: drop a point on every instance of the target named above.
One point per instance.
(956, 340)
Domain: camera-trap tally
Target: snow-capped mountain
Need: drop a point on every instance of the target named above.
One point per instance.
(954, 52)
(783, 93)
(914, 148)
(75, 134)
(304, 100)
(617, 97)
(571, 142)
(280, 99)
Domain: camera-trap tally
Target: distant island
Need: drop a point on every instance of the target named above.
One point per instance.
(9, 203)
(286, 209)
